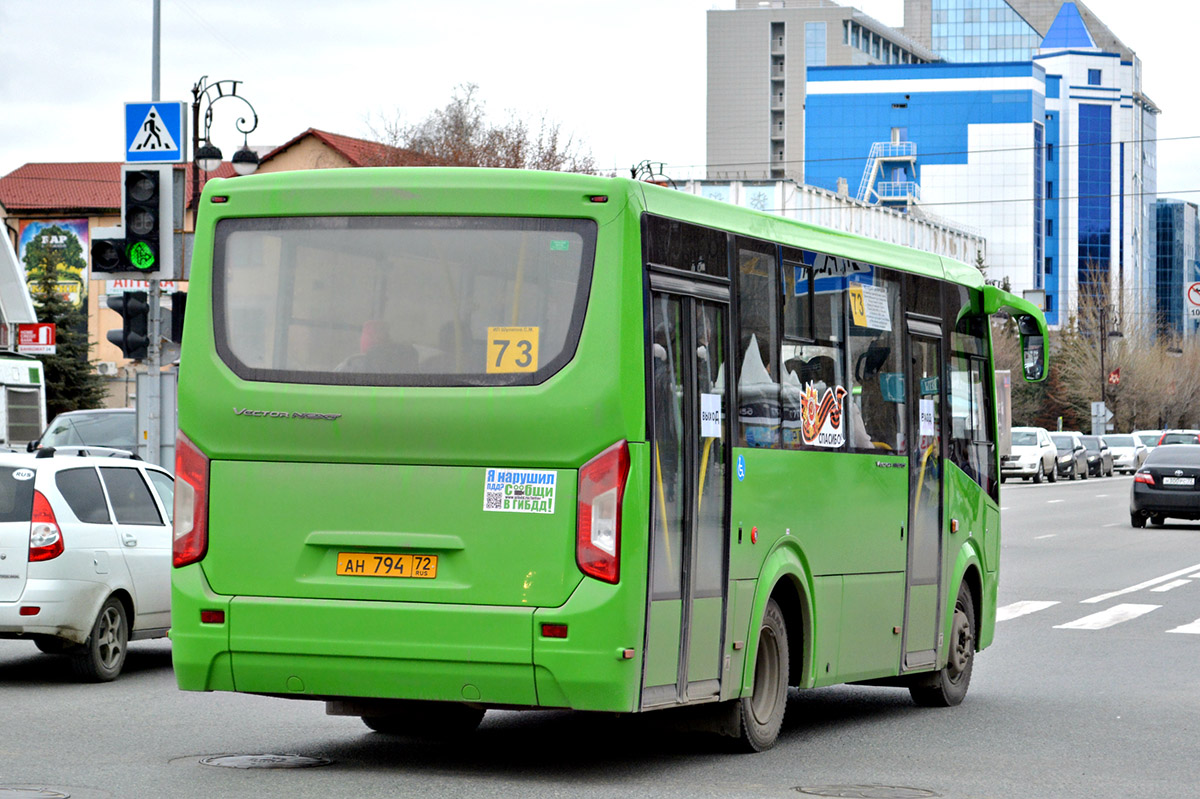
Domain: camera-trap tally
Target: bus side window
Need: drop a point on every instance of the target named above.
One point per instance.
(758, 378)
(877, 370)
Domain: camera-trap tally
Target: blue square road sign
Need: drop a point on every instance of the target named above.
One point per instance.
(154, 132)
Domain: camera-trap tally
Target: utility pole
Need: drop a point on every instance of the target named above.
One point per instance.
(151, 391)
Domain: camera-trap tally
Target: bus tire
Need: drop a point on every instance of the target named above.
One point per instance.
(948, 686)
(428, 721)
(761, 714)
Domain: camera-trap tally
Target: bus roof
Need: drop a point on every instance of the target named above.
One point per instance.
(526, 192)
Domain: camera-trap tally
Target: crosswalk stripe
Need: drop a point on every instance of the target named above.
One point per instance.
(1021, 608)
(1193, 628)
(1170, 585)
(1131, 589)
(1107, 618)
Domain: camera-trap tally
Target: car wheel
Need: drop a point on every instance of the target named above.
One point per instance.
(1053, 473)
(103, 655)
(1037, 476)
(948, 687)
(1158, 520)
(1137, 520)
(436, 721)
(761, 714)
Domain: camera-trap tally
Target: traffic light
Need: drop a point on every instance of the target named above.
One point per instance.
(133, 338)
(144, 219)
(108, 254)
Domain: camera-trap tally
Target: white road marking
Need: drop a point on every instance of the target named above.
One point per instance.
(1101, 496)
(1140, 586)
(1052, 501)
(1114, 524)
(1003, 507)
(1170, 585)
(1022, 608)
(1048, 535)
(1193, 628)
(1195, 576)
(1107, 618)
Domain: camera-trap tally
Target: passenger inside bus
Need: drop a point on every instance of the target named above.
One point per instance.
(379, 353)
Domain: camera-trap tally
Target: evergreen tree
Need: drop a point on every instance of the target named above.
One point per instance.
(71, 382)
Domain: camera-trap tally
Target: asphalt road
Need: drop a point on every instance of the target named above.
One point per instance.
(1066, 704)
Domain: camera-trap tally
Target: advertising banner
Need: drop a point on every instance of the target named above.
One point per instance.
(61, 247)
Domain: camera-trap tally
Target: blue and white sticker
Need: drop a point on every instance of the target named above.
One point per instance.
(519, 490)
(23, 474)
(741, 468)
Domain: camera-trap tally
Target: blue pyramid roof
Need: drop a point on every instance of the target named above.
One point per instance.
(1068, 30)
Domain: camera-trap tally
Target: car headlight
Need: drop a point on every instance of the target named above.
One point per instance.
(1064, 458)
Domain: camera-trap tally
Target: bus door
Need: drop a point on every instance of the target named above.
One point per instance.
(689, 431)
(921, 596)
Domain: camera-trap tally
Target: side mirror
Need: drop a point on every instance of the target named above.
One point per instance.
(31, 446)
(1032, 348)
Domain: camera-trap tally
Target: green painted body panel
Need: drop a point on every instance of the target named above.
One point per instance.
(304, 514)
(704, 658)
(403, 467)
(872, 607)
(822, 499)
(662, 656)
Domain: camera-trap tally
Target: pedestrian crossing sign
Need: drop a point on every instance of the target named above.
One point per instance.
(154, 132)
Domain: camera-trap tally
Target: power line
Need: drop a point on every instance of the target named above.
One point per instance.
(863, 158)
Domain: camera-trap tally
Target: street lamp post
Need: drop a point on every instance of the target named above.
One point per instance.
(208, 157)
(1103, 333)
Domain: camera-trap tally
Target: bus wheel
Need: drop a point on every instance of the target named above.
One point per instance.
(430, 721)
(948, 687)
(762, 713)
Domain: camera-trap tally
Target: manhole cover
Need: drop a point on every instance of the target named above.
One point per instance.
(264, 761)
(32, 793)
(866, 791)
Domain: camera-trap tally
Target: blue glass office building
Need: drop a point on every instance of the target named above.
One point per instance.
(1178, 266)
(1033, 130)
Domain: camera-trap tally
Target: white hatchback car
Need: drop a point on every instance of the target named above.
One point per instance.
(1033, 456)
(85, 554)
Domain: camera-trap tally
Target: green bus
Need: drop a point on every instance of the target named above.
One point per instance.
(459, 439)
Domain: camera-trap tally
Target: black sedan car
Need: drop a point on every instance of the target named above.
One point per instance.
(1167, 486)
(1072, 455)
(1099, 456)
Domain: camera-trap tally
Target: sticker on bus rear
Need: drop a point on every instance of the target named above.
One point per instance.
(512, 349)
(519, 490)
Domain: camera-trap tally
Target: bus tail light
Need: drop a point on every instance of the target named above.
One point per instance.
(191, 503)
(598, 528)
(45, 537)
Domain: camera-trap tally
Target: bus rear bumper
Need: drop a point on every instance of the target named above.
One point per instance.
(321, 649)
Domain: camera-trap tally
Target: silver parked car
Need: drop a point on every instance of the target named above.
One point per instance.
(85, 554)
(1128, 452)
(1032, 457)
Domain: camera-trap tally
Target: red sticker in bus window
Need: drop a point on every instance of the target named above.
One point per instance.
(821, 417)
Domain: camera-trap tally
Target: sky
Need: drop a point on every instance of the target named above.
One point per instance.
(624, 78)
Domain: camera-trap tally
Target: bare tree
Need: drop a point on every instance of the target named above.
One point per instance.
(460, 134)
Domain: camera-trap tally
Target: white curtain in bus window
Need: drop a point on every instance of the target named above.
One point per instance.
(400, 296)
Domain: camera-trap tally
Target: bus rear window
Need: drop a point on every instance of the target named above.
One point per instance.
(408, 301)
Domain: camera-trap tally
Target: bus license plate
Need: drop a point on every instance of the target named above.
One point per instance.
(371, 564)
(1179, 481)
